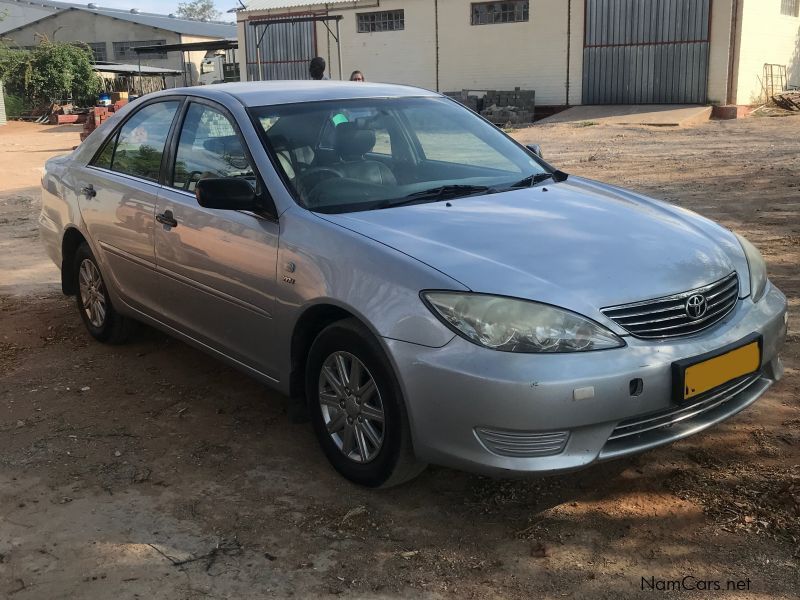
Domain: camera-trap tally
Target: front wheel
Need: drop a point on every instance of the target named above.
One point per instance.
(94, 304)
(357, 407)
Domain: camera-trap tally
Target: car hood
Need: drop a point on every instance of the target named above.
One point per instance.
(578, 244)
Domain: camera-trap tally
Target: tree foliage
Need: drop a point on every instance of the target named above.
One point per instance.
(52, 72)
(200, 10)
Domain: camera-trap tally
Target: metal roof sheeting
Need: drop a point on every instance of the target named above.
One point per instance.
(176, 24)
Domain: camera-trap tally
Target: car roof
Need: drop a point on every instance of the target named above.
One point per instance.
(265, 93)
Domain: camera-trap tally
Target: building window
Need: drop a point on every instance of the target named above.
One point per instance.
(489, 13)
(98, 50)
(790, 8)
(124, 50)
(385, 20)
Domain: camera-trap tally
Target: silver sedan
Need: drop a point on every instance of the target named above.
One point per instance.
(422, 287)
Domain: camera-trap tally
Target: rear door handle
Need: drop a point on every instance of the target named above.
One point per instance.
(167, 218)
(89, 191)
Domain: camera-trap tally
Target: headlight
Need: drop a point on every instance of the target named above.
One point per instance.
(518, 325)
(758, 269)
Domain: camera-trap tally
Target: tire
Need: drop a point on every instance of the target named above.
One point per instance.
(355, 455)
(94, 304)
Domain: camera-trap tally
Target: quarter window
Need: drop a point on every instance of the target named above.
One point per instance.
(489, 13)
(790, 8)
(385, 20)
(208, 147)
(138, 147)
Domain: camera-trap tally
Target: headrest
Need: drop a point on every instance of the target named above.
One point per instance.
(228, 144)
(352, 142)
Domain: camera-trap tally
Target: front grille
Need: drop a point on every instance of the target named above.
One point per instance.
(683, 412)
(668, 316)
(522, 444)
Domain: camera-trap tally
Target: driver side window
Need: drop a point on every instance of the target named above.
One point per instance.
(208, 147)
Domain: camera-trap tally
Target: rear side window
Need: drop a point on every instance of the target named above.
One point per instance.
(208, 147)
(139, 145)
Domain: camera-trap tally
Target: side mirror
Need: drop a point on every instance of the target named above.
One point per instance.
(226, 193)
(536, 149)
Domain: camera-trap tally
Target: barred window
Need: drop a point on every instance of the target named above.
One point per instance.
(489, 13)
(790, 8)
(124, 50)
(385, 20)
(99, 51)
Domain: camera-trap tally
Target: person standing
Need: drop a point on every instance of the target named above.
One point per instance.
(357, 76)
(316, 68)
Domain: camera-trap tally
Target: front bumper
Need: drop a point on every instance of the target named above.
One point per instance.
(503, 413)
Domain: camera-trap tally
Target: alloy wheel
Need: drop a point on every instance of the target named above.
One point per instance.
(352, 408)
(93, 296)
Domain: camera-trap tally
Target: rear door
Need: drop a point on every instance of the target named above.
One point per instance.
(216, 268)
(118, 191)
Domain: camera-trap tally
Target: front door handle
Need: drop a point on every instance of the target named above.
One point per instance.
(167, 218)
(89, 191)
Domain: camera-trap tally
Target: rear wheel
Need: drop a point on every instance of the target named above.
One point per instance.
(94, 304)
(357, 407)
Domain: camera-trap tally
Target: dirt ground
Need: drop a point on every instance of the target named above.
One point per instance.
(152, 471)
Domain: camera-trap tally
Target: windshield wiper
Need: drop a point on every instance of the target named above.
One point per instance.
(532, 180)
(442, 192)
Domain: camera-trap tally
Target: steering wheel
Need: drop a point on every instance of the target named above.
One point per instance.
(313, 177)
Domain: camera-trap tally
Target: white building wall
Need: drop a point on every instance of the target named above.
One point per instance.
(533, 54)
(530, 55)
(767, 36)
(405, 57)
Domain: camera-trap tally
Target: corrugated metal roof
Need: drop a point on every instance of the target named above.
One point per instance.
(254, 5)
(178, 25)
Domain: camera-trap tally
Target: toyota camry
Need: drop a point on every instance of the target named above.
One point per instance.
(425, 288)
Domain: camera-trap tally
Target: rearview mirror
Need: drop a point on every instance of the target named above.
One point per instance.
(536, 149)
(226, 193)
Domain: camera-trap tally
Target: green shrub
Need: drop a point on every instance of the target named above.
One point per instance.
(15, 105)
(52, 72)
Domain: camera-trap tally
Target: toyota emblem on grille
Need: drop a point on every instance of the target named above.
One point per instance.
(696, 306)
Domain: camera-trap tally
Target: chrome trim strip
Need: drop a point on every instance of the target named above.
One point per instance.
(669, 418)
(212, 292)
(126, 255)
(683, 429)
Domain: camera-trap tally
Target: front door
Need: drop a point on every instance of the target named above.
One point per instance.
(216, 268)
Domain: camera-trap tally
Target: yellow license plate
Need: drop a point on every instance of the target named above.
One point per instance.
(706, 374)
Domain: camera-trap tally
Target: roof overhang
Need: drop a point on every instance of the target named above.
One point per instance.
(143, 70)
(188, 47)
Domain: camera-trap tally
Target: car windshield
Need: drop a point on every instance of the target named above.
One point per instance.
(366, 154)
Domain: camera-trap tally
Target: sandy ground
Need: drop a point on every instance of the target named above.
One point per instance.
(152, 471)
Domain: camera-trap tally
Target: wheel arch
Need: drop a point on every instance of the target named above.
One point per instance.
(308, 326)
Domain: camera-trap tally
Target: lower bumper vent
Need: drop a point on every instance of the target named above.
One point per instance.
(522, 444)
